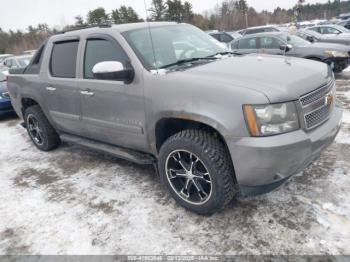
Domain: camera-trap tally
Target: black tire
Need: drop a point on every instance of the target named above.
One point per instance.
(212, 154)
(49, 137)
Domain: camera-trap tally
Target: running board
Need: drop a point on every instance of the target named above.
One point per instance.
(119, 152)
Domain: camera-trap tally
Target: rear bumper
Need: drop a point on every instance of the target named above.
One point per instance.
(268, 160)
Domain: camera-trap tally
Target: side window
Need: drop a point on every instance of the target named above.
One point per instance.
(332, 30)
(270, 43)
(34, 67)
(64, 59)
(216, 36)
(99, 50)
(254, 31)
(226, 38)
(235, 45)
(249, 43)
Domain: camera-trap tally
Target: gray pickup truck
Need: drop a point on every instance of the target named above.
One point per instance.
(214, 124)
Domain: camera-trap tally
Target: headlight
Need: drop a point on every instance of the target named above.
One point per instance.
(331, 53)
(267, 120)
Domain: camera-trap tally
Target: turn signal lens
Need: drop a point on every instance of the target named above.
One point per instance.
(251, 120)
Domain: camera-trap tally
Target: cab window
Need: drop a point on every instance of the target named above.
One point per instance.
(64, 59)
(100, 50)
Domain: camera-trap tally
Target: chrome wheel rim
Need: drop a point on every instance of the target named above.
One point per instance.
(35, 130)
(188, 177)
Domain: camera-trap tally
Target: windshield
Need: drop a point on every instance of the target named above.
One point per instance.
(24, 61)
(2, 77)
(171, 44)
(297, 41)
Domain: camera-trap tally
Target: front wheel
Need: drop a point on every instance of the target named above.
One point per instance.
(197, 171)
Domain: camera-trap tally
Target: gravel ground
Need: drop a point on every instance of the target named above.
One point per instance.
(75, 201)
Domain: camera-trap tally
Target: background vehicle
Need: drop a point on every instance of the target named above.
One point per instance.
(212, 128)
(344, 16)
(313, 36)
(330, 29)
(258, 29)
(17, 61)
(3, 57)
(222, 37)
(345, 23)
(335, 55)
(5, 101)
(29, 52)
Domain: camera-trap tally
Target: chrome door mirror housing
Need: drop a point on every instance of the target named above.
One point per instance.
(113, 70)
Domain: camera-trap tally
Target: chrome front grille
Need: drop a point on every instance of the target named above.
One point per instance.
(317, 105)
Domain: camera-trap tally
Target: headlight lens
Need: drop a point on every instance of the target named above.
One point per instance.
(268, 120)
(331, 53)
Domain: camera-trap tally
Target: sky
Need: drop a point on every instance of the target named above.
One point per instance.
(18, 14)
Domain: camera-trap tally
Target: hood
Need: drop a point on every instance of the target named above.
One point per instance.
(329, 46)
(278, 80)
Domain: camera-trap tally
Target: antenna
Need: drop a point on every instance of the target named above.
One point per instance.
(150, 35)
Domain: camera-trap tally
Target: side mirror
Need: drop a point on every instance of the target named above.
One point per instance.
(286, 48)
(113, 70)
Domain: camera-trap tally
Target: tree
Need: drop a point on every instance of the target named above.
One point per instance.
(97, 16)
(79, 21)
(187, 13)
(174, 10)
(124, 14)
(158, 10)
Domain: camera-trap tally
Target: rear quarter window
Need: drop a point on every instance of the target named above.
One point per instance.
(64, 59)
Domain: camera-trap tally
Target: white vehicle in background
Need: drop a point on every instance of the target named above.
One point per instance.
(330, 29)
(3, 57)
(17, 61)
(29, 52)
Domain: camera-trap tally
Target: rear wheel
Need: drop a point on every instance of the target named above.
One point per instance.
(40, 130)
(197, 171)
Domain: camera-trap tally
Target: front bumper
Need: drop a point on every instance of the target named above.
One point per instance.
(268, 160)
(338, 63)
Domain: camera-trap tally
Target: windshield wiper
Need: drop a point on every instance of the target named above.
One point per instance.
(186, 61)
(222, 53)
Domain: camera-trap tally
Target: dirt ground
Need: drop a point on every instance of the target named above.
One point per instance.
(76, 201)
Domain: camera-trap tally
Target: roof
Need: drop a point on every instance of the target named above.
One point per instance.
(258, 27)
(106, 28)
(122, 27)
(265, 34)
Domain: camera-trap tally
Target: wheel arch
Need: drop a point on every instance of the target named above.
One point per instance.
(167, 126)
(27, 102)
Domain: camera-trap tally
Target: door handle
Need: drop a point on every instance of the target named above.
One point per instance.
(87, 93)
(51, 88)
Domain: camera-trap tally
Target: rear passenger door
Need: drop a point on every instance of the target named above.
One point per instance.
(112, 111)
(61, 94)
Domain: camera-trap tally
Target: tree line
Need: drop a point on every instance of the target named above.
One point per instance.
(228, 15)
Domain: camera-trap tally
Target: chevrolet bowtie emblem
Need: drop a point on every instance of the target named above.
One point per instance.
(329, 99)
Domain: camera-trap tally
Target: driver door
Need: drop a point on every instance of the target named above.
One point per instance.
(112, 111)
